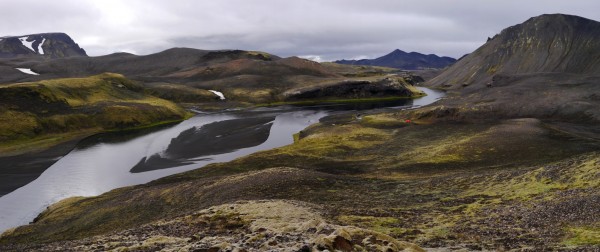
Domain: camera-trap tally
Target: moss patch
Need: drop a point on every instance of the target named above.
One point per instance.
(582, 236)
(541, 180)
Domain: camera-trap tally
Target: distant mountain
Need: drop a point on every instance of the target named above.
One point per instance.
(53, 45)
(548, 43)
(248, 76)
(403, 60)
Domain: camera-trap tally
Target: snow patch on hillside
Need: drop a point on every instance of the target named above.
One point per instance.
(26, 43)
(27, 71)
(40, 49)
(219, 94)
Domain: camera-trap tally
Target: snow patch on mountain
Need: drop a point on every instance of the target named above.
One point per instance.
(40, 49)
(27, 71)
(26, 43)
(219, 94)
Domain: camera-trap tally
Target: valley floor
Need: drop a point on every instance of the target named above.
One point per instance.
(509, 160)
(358, 183)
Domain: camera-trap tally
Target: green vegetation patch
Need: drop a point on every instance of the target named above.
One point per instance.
(253, 95)
(320, 151)
(17, 125)
(541, 180)
(582, 236)
(104, 102)
(386, 225)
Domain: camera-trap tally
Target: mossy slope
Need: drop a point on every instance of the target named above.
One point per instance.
(439, 184)
(40, 110)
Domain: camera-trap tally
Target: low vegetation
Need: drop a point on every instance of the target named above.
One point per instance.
(509, 160)
(60, 109)
(180, 93)
(489, 185)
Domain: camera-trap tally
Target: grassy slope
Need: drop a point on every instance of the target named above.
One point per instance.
(43, 113)
(180, 93)
(496, 184)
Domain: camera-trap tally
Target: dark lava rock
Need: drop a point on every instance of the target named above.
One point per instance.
(353, 89)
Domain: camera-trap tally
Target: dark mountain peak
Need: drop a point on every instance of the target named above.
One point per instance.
(403, 60)
(548, 43)
(558, 18)
(397, 52)
(53, 45)
(549, 24)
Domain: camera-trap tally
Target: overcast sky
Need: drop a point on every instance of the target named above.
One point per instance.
(318, 29)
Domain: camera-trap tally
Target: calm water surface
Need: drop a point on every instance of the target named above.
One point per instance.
(105, 162)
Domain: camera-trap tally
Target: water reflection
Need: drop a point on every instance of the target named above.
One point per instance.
(109, 161)
(210, 139)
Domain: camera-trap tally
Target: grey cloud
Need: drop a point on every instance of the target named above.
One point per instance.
(329, 30)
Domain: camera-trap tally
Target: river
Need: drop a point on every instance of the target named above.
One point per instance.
(108, 161)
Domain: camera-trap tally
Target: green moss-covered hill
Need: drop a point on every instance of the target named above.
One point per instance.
(50, 111)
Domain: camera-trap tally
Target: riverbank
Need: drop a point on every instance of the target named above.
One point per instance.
(338, 101)
(36, 115)
(23, 162)
(433, 176)
(51, 141)
(204, 139)
(21, 168)
(436, 184)
(42, 147)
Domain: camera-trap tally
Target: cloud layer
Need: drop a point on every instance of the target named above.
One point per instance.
(320, 29)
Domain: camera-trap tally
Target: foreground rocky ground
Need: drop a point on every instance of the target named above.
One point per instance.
(242, 226)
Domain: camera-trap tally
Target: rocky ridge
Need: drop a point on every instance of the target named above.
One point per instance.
(51, 45)
(553, 43)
